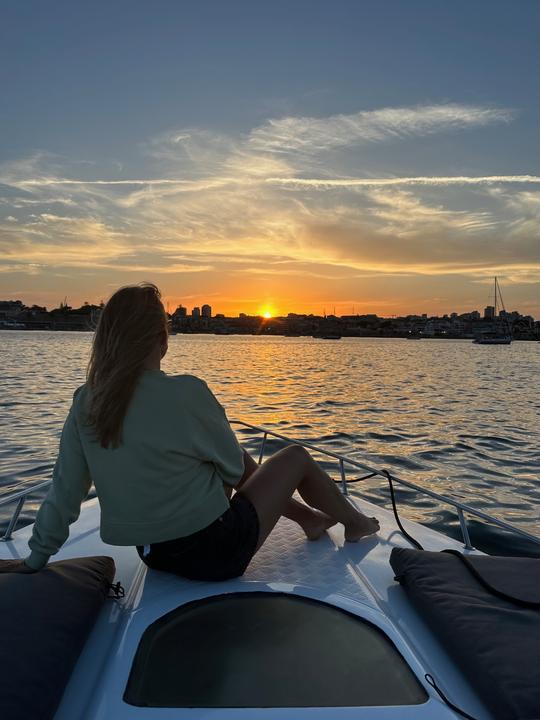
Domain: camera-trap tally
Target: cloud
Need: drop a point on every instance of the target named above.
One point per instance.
(421, 239)
(49, 240)
(444, 180)
(402, 213)
(244, 207)
(260, 169)
(307, 134)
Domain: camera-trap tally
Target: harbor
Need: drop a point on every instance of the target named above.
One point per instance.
(14, 315)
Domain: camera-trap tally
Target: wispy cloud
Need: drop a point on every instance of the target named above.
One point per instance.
(401, 213)
(209, 184)
(308, 134)
(233, 212)
(444, 180)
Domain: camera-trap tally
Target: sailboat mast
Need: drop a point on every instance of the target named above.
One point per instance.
(495, 308)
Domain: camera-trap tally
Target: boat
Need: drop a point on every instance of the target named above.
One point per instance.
(312, 629)
(493, 339)
(327, 336)
(12, 325)
(501, 335)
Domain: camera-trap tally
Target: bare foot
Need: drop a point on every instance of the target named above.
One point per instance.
(361, 527)
(317, 525)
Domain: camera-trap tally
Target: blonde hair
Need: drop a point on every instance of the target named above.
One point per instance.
(127, 332)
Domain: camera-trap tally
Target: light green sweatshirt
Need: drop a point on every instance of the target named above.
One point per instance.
(164, 481)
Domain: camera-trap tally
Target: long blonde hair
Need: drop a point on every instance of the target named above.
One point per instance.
(127, 332)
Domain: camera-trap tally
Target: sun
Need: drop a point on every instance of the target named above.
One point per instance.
(266, 311)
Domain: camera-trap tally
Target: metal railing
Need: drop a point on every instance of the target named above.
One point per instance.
(343, 460)
(21, 496)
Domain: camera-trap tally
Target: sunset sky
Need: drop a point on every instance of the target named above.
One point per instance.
(291, 155)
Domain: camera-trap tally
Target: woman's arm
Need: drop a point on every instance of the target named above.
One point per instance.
(62, 505)
(211, 437)
(249, 468)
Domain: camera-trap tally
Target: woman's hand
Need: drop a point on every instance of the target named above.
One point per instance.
(15, 566)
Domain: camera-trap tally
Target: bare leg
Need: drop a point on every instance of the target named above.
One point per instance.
(313, 522)
(271, 486)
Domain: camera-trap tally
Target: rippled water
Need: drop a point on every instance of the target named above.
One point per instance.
(455, 417)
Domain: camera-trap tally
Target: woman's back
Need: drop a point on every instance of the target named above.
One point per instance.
(165, 479)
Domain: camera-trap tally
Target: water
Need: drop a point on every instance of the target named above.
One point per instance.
(458, 418)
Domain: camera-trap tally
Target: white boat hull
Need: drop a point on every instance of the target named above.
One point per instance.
(355, 577)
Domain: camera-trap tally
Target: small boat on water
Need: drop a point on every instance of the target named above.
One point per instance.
(326, 629)
(501, 334)
(12, 325)
(493, 339)
(327, 336)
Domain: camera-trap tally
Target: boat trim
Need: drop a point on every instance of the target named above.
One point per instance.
(459, 507)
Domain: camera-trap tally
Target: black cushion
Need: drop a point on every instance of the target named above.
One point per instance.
(45, 619)
(494, 640)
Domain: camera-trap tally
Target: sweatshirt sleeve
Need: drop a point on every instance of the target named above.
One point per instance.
(62, 505)
(211, 436)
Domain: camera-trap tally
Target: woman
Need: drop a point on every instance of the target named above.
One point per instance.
(164, 461)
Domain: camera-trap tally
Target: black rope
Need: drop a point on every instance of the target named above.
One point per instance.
(393, 498)
(354, 480)
(394, 508)
(493, 590)
(117, 590)
(455, 708)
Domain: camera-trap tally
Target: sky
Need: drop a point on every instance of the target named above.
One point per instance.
(367, 156)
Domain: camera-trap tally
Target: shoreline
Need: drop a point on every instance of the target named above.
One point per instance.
(344, 335)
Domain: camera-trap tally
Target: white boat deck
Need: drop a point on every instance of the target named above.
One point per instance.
(355, 577)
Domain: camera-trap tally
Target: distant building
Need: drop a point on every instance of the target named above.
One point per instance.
(180, 312)
(489, 312)
(196, 312)
(513, 316)
(206, 311)
(473, 315)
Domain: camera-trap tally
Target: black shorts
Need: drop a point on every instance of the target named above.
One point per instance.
(220, 551)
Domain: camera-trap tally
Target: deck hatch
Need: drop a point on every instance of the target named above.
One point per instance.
(267, 650)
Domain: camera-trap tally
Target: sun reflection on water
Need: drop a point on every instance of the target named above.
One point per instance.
(455, 417)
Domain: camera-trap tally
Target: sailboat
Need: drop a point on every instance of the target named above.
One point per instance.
(501, 333)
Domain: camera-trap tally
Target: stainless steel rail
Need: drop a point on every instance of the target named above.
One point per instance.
(21, 496)
(461, 508)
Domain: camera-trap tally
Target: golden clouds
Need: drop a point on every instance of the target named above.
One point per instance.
(273, 214)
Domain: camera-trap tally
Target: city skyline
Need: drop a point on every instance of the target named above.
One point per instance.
(206, 310)
(272, 157)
